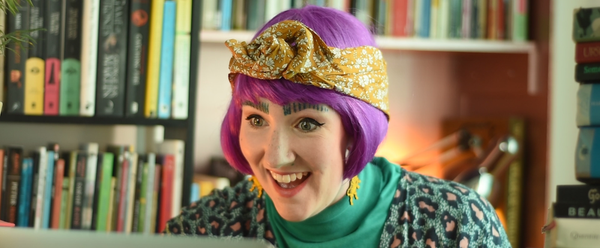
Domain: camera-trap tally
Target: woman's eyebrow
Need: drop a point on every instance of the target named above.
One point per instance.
(261, 106)
(294, 107)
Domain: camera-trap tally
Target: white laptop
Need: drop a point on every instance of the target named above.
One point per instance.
(30, 238)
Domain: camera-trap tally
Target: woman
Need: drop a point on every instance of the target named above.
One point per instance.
(308, 111)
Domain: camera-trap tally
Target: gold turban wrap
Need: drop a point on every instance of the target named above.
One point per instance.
(291, 50)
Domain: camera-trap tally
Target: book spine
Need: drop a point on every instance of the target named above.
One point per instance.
(54, 35)
(89, 56)
(466, 19)
(587, 73)
(155, 199)
(34, 188)
(481, 21)
(578, 194)
(143, 197)
(24, 191)
(121, 206)
(444, 19)
(574, 210)
(166, 191)
(491, 20)
(34, 65)
(111, 198)
(176, 148)
(112, 58)
(105, 189)
(500, 20)
(137, 195)
(47, 200)
(588, 52)
(587, 161)
(226, 12)
(90, 182)
(584, 27)
(2, 178)
(71, 58)
(150, 196)
(2, 90)
(399, 17)
(64, 202)
(71, 188)
(16, 60)
(79, 191)
(434, 22)
(574, 233)
(519, 20)
(137, 61)
(181, 67)
(130, 198)
(209, 14)
(118, 163)
(154, 58)
(588, 105)
(13, 180)
(57, 193)
(41, 188)
(165, 83)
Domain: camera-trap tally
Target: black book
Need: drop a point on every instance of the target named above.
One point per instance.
(138, 191)
(52, 43)
(137, 58)
(78, 190)
(579, 194)
(587, 73)
(55, 147)
(16, 57)
(97, 185)
(576, 210)
(34, 187)
(70, 77)
(112, 58)
(36, 22)
(14, 161)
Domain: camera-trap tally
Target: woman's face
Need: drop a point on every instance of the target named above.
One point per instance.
(297, 154)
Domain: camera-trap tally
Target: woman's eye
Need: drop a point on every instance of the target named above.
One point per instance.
(309, 125)
(256, 121)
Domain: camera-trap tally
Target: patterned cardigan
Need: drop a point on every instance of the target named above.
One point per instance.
(425, 212)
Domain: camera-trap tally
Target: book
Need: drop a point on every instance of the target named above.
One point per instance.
(587, 52)
(165, 83)
(400, 9)
(578, 194)
(2, 175)
(444, 19)
(71, 157)
(57, 193)
(467, 18)
(154, 53)
(166, 190)
(121, 193)
(137, 194)
(587, 166)
(585, 24)
(176, 148)
(575, 210)
(181, 66)
(25, 192)
(16, 60)
(65, 195)
(573, 233)
(112, 58)
(141, 208)
(89, 56)
(91, 149)
(35, 65)
(130, 191)
(2, 58)
(137, 57)
(455, 22)
(79, 191)
(588, 105)
(13, 161)
(149, 211)
(481, 20)
(70, 75)
(54, 34)
(46, 202)
(40, 176)
(434, 22)
(226, 7)
(104, 201)
(155, 200)
(587, 73)
(119, 162)
(520, 22)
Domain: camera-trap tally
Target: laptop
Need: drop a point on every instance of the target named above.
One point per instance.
(30, 238)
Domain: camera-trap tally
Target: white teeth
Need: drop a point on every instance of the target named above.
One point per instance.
(289, 177)
(285, 178)
(292, 177)
(298, 176)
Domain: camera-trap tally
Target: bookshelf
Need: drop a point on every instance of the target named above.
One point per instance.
(182, 129)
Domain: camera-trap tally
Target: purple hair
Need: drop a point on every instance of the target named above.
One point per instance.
(363, 123)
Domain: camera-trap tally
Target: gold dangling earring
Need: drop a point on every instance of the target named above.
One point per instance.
(353, 188)
(256, 185)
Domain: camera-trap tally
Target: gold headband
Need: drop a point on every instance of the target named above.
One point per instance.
(293, 51)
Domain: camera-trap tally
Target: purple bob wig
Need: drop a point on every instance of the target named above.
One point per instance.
(363, 123)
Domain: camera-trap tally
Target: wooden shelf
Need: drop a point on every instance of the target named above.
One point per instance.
(394, 43)
(92, 120)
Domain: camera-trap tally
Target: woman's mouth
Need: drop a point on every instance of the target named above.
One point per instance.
(290, 180)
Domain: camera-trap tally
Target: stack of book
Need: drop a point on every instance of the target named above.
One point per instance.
(112, 190)
(109, 58)
(574, 219)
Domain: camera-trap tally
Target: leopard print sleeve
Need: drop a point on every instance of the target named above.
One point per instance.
(429, 212)
(231, 212)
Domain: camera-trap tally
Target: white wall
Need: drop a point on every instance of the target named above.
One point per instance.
(563, 92)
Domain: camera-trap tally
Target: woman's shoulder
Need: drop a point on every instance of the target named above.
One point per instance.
(448, 212)
(232, 211)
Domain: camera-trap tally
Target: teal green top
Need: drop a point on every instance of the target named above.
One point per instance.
(342, 224)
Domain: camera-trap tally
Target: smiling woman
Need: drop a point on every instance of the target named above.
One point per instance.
(309, 108)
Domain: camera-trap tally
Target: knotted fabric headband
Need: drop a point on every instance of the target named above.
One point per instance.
(291, 50)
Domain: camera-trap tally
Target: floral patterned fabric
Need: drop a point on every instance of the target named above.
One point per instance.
(425, 212)
(291, 50)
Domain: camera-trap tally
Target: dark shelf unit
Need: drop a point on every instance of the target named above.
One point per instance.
(174, 129)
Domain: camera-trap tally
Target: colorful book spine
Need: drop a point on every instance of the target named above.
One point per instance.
(90, 182)
(467, 8)
(482, 8)
(34, 66)
(455, 25)
(154, 58)
(70, 76)
(79, 191)
(175, 148)
(165, 83)
(25, 192)
(89, 56)
(37, 201)
(111, 198)
(587, 159)
(54, 34)
(112, 58)
(137, 62)
(13, 160)
(130, 192)
(155, 199)
(226, 11)
(588, 105)
(210, 18)
(578, 194)
(137, 195)
(574, 210)
(424, 19)
(444, 19)
(520, 16)
(150, 212)
(492, 26)
(105, 190)
(71, 188)
(47, 196)
(434, 31)
(587, 73)
(141, 222)
(584, 24)
(573, 233)
(64, 200)
(118, 163)
(399, 17)
(587, 52)
(121, 206)
(181, 67)
(166, 191)
(16, 60)
(56, 202)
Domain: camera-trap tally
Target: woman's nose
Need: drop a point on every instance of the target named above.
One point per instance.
(278, 151)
